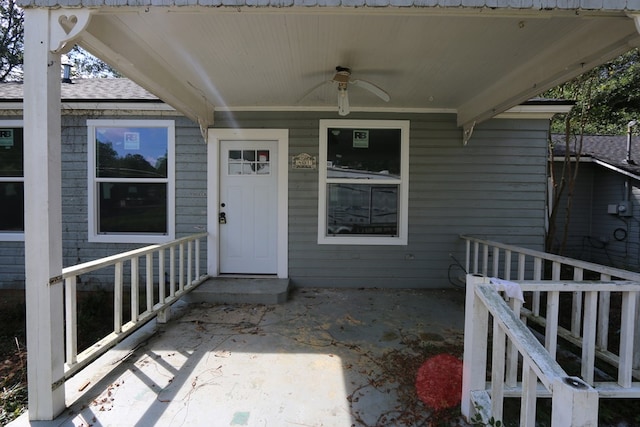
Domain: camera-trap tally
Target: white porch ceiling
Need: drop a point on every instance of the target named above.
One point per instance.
(474, 62)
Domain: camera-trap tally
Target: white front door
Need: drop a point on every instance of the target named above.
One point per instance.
(248, 207)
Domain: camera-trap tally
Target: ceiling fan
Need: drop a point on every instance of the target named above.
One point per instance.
(343, 79)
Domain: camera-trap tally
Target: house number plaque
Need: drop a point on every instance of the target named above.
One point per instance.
(303, 161)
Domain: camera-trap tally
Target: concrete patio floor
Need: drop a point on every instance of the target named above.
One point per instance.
(326, 357)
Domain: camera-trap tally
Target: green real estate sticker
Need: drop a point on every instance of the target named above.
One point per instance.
(6, 138)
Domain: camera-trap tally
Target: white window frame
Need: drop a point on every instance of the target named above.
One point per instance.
(403, 183)
(93, 182)
(13, 236)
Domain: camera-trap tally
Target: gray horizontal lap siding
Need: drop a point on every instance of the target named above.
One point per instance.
(493, 188)
(190, 201)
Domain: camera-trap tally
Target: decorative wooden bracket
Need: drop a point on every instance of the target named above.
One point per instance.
(66, 25)
(467, 131)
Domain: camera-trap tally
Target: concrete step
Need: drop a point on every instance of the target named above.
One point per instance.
(238, 290)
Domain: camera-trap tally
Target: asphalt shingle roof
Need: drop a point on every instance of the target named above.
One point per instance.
(611, 149)
(106, 90)
(628, 5)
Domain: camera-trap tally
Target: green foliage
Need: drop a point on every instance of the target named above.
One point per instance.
(11, 43)
(86, 66)
(607, 97)
(477, 419)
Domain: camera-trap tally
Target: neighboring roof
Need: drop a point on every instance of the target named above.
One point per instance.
(95, 90)
(608, 149)
(613, 5)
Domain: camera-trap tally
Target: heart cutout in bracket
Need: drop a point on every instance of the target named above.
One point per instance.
(67, 22)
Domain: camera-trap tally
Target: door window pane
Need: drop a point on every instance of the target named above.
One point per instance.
(249, 162)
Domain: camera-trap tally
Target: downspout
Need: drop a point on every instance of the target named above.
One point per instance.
(628, 160)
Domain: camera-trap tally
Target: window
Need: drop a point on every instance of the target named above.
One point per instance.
(11, 181)
(131, 176)
(364, 175)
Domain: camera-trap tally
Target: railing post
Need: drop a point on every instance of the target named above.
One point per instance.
(574, 403)
(71, 319)
(476, 321)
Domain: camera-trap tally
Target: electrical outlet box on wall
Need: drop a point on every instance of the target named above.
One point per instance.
(625, 209)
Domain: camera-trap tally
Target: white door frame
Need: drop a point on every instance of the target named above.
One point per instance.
(214, 136)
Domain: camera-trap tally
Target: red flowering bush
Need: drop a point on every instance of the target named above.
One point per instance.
(439, 381)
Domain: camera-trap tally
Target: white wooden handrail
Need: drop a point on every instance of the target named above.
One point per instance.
(530, 264)
(156, 302)
(574, 402)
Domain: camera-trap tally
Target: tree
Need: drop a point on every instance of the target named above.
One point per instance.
(607, 99)
(12, 35)
(84, 65)
(614, 97)
(87, 66)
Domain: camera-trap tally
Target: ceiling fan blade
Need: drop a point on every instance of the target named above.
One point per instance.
(380, 93)
(307, 93)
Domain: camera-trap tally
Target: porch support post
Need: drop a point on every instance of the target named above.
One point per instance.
(476, 318)
(574, 403)
(43, 219)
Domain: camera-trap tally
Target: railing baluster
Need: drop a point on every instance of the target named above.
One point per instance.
(512, 352)
(189, 264)
(117, 297)
(553, 305)
(507, 264)
(149, 283)
(476, 256)
(161, 272)
(551, 328)
(497, 371)
(135, 305)
(604, 305)
(589, 336)
(485, 260)
(181, 269)
(172, 271)
(467, 262)
(522, 262)
(576, 312)
(496, 262)
(537, 275)
(627, 332)
(197, 255)
(529, 396)
(71, 319)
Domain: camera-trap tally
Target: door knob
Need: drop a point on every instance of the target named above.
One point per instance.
(222, 218)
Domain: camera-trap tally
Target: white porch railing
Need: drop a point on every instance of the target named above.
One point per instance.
(178, 261)
(589, 327)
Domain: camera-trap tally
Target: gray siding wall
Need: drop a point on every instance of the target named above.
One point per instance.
(596, 235)
(580, 214)
(494, 188)
(191, 200)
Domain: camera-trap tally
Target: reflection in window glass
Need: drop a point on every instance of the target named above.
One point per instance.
(135, 152)
(362, 209)
(129, 208)
(131, 196)
(12, 202)
(11, 180)
(363, 153)
(11, 149)
(249, 162)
